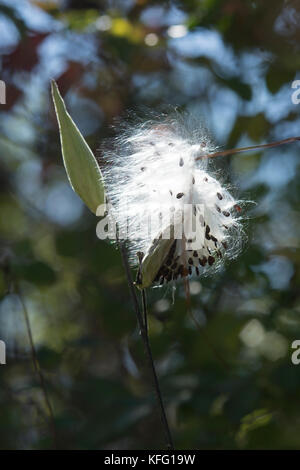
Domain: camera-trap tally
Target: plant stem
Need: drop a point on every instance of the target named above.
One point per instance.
(38, 368)
(223, 153)
(164, 419)
(142, 323)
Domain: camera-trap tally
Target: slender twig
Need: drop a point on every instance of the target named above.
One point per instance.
(155, 378)
(142, 323)
(38, 368)
(144, 303)
(223, 153)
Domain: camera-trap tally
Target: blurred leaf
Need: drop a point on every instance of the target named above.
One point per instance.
(69, 243)
(258, 127)
(81, 166)
(241, 88)
(48, 358)
(12, 14)
(25, 56)
(37, 272)
(254, 420)
(121, 27)
(277, 76)
(79, 19)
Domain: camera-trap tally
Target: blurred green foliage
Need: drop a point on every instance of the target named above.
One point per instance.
(234, 385)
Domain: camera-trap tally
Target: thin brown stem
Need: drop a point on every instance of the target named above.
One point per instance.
(164, 419)
(223, 153)
(143, 327)
(38, 368)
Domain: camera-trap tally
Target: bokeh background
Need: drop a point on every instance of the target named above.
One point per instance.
(232, 63)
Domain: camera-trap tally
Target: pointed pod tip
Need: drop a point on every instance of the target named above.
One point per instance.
(83, 172)
(54, 87)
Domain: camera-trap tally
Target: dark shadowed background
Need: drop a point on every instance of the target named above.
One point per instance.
(231, 62)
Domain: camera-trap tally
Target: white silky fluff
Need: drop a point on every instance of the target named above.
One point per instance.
(153, 166)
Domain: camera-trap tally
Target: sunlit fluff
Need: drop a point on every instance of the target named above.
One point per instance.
(154, 166)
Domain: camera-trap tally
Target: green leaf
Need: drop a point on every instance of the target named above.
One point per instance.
(277, 76)
(252, 421)
(81, 166)
(37, 272)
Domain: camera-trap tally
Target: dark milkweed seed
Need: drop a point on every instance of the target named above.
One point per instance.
(220, 196)
(226, 213)
(195, 254)
(211, 260)
(181, 162)
(203, 261)
(143, 168)
(218, 208)
(191, 261)
(205, 179)
(179, 195)
(171, 144)
(195, 210)
(214, 239)
(197, 271)
(207, 230)
(193, 180)
(170, 192)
